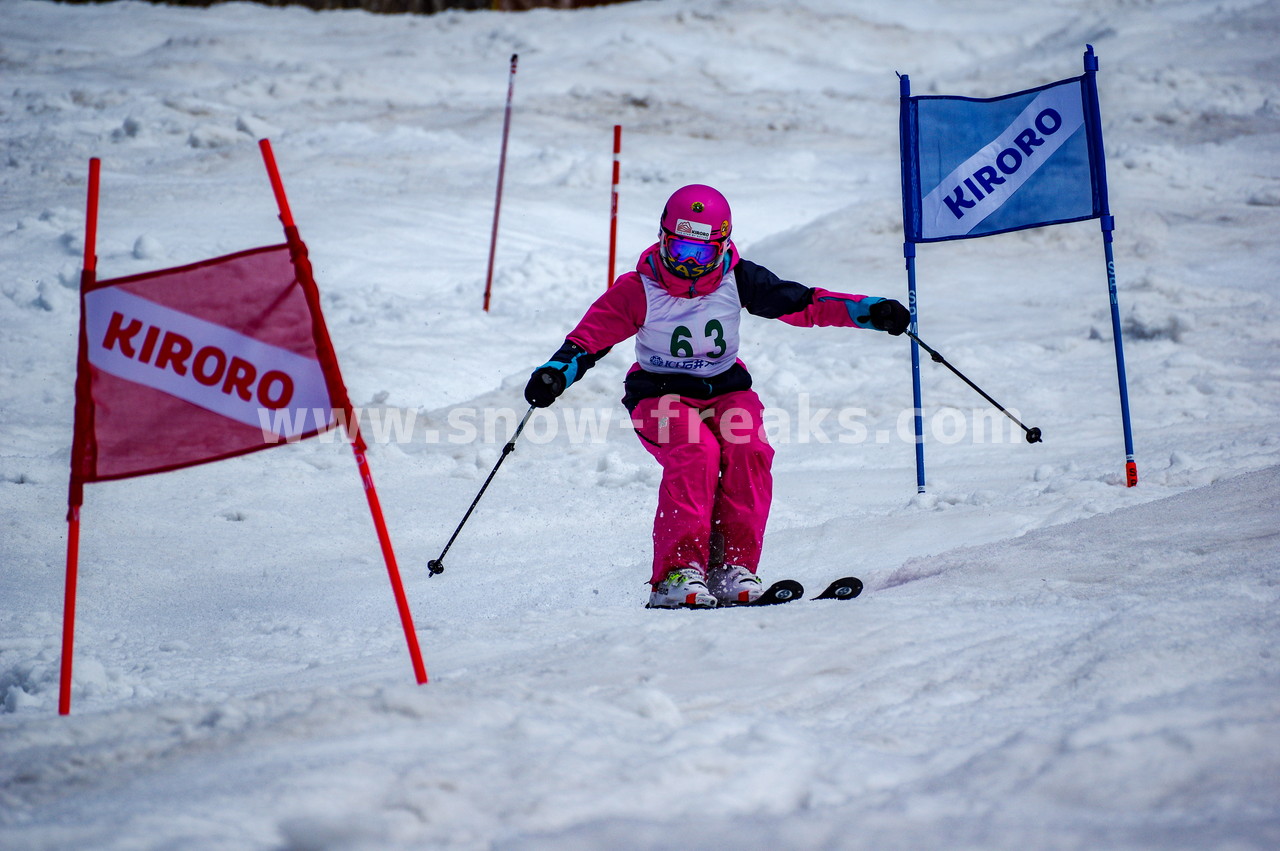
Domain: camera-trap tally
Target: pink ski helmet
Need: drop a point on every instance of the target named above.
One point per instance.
(695, 229)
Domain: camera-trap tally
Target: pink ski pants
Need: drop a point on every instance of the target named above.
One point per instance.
(716, 477)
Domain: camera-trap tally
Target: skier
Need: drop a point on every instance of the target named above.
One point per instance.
(689, 395)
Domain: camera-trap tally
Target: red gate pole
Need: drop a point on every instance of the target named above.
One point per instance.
(340, 400)
(75, 494)
(613, 201)
(69, 609)
(502, 168)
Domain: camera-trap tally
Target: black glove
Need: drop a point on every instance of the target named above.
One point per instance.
(889, 315)
(545, 386)
(566, 366)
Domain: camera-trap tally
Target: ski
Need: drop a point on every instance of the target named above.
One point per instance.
(842, 589)
(782, 591)
(789, 590)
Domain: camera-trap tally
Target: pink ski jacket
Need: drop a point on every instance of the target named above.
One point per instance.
(624, 310)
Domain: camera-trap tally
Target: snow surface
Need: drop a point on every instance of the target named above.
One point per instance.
(1043, 658)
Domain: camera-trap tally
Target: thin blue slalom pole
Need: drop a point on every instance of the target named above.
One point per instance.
(909, 251)
(1108, 223)
(906, 140)
(1130, 465)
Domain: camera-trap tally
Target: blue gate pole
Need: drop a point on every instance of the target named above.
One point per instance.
(1108, 223)
(907, 142)
(909, 252)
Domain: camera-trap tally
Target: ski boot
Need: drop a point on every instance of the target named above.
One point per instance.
(684, 588)
(733, 585)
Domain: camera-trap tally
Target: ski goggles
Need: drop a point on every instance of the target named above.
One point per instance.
(691, 252)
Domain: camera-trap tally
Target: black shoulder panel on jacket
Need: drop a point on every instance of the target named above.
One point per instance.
(765, 294)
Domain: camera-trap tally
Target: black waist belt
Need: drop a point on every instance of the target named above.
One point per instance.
(642, 384)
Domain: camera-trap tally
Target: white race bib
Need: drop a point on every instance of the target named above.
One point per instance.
(695, 336)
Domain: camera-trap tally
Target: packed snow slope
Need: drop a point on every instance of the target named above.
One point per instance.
(1043, 658)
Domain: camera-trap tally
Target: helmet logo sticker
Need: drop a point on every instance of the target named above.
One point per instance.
(695, 229)
(697, 206)
(724, 228)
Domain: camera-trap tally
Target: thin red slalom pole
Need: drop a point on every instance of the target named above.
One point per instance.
(69, 609)
(502, 168)
(613, 202)
(91, 218)
(388, 555)
(338, 395)
(75, 495)
(277, 185)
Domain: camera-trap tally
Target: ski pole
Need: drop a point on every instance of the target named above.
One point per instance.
(1033, 434)
(436, 565)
